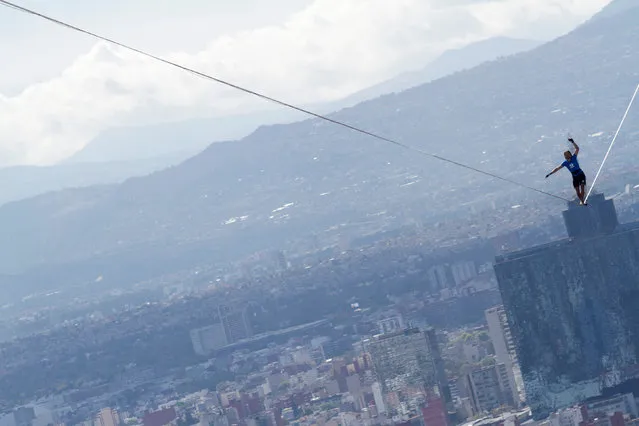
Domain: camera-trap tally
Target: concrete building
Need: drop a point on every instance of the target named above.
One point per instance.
(508, 386)
(404, 365)
(391, 324)
(504, 345)
(206, 340)
(490, 388)
(463, 272)
(438, 277)
(625, 404)
(571, 416)
(354, 385)
(616, 419)
(160, 417)
(107, 417)
(440, 368)
(572, 308)
(235, 322)
(450, 276)
(500, 335)
(378, 396)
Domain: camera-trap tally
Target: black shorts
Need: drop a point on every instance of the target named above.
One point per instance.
(578, 179)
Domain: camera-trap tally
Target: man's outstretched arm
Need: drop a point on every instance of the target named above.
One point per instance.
(555, 170)
(571, 140)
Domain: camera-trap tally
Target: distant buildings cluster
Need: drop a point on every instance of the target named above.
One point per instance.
(560, 351)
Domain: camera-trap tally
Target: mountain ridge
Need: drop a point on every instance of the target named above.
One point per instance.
(449, 62)
(121, 153)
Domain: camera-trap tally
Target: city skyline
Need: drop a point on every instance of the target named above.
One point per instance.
(304, 273)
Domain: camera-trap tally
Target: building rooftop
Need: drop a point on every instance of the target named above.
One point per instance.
(594, 219)
(495, 420)
(507, 257)
(405, 332)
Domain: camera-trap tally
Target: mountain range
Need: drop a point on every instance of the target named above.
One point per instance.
(290, 186)
(448, 63)
(120, 153)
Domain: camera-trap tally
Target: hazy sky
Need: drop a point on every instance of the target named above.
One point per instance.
(60, 88)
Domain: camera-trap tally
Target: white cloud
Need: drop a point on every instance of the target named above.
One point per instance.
(329, 50)
(522, 17)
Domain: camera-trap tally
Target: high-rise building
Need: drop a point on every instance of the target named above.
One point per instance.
(438, 277)
(505, 350)
(440, 367)
(107, 417)
(447, 276)
(379, 397)
(500, 335)
(235, 322)
(572, 308)
(463, 271)
(404, 366)
(490, 388)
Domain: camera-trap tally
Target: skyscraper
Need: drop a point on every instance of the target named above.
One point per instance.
(572, 308)
(439, 365)
(505, 351)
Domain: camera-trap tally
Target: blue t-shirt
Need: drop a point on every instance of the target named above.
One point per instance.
(572, 165)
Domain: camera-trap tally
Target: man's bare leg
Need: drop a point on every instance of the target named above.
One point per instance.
(581, 193)
(578, 191)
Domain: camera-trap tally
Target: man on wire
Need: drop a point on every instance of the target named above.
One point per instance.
(578, 176)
